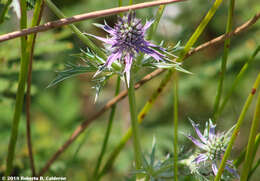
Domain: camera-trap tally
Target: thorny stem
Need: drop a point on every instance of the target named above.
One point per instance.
(80, 129)
(175, 121)
(237, 128)
(147, 107)
(30, 49)
(237, 80)
(224, 58)
(108, 131)
(250, 146)
(20, 92)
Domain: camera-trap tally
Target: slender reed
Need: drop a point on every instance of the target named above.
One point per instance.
(20, 92)
(250, 146)
(224, 57)
(30, 50)
(237, 128)
(175, 121)
(108, 131)
(134, 123)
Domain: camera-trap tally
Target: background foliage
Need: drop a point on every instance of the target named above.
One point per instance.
(56, 111)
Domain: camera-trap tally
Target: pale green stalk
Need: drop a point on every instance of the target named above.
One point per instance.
(250, 146)
(108, 131)
(237, 128)
(134, 123)
(120, 3)
(224, 58)
(175, 120)
(237, 80)
(30, 50)
(20, 92)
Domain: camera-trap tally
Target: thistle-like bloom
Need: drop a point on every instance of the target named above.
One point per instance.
(127, 40)
(213, 146)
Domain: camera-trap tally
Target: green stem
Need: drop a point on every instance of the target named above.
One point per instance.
(130, 2)
(108, 131)
(134, 123)
(30, 50)
(237, 128)
(141, 116)
(79, 34)
(120, 3)
(175, 110)
(199, 29)
(20, 92)
(224, 58)
(4, 11)
(237, 80)
(250, 146)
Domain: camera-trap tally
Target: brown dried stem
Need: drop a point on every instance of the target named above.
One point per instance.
(81, 17)
(148, 77)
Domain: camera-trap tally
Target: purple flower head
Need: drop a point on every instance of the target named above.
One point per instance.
(212, 146)
(127, 38)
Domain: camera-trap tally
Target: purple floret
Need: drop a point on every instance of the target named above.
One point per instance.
(127, 40)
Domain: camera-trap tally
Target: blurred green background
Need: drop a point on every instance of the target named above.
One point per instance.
(56, 111)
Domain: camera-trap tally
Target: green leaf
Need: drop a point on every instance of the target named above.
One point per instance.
(72, 71)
